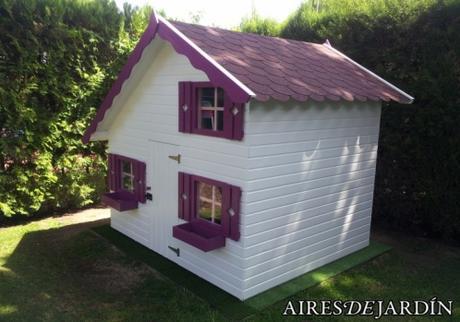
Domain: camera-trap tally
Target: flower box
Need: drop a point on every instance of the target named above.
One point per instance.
(119, 200)
(199, 235)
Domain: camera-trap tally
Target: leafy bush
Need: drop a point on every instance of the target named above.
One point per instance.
(414, 44)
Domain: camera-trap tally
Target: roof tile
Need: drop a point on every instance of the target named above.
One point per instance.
(282, 69)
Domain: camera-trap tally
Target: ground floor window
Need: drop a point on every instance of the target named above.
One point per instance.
(209, 202)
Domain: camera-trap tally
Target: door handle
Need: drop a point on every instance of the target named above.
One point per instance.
(175, 158)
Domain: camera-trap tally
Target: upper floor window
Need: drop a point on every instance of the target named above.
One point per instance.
(211, 108)
(207, 110)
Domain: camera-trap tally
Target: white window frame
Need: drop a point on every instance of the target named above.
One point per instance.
(214, 109)
(212, 201)
(127, 174)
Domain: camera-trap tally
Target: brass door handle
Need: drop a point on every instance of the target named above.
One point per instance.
(175, 157)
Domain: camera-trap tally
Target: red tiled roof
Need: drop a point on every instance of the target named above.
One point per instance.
(281, 69)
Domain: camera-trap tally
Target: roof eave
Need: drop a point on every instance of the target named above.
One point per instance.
(408, 99)
(216, 73)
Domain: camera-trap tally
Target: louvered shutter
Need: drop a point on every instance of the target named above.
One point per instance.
(186, 105)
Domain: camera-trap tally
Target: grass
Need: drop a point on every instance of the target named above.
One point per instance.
(225, 303)
(50, 271)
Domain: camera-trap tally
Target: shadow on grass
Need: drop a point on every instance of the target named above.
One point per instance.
(227, 304)
(71, 274)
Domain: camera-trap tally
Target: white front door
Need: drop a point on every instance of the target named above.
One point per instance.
(164, 189)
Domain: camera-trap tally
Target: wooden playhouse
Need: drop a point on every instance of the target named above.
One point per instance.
(247, 160)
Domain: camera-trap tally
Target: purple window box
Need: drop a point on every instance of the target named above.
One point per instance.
(199, 235)
(119, 200)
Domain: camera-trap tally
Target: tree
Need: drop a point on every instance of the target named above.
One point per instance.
(258, 25)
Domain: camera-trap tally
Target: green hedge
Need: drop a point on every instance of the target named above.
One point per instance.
(414, 44)
(59, 57)
(57, 60)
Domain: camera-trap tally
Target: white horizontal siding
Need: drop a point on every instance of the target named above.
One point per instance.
(302, 245)
(306, 171)
(305, 156)
(308, 201)
(312, 145)
(328, 255)
(149, 114)
(307, 185)
(308, 124)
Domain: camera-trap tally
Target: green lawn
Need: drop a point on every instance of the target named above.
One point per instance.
(51, 271)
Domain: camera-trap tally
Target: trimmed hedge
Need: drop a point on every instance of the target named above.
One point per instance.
(57, 59)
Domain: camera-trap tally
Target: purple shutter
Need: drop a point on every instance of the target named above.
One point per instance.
(190, 102)
(228, 117)
(190, 200)
(238, 121)
(117, 169)
(185, 107)
(114, 172)
(179, 196)
(234, 212)
(185, 196)
(181, 104)
(140, 180)
(111, 172)
(226, 205)
(233, 119)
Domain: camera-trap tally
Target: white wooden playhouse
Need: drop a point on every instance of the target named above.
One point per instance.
(247, 160)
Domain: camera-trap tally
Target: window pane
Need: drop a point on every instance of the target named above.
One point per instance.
(126, 166)
(207, 119)
(220, 97)
(220, 120)
(209, 202)
(207, 97)
(127, 182)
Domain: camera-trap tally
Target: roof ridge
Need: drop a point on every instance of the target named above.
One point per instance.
(245, 33)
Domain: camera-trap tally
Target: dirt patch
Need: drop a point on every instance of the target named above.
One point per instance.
(115, 277)
(85, 216)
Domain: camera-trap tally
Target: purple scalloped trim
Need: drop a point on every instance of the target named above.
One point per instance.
(216, 76)
(133, 58)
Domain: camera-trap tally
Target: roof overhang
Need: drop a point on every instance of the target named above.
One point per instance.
(405, 98)
(216, 73)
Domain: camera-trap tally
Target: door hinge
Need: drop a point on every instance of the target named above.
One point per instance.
(176, 250)
(175, 157)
